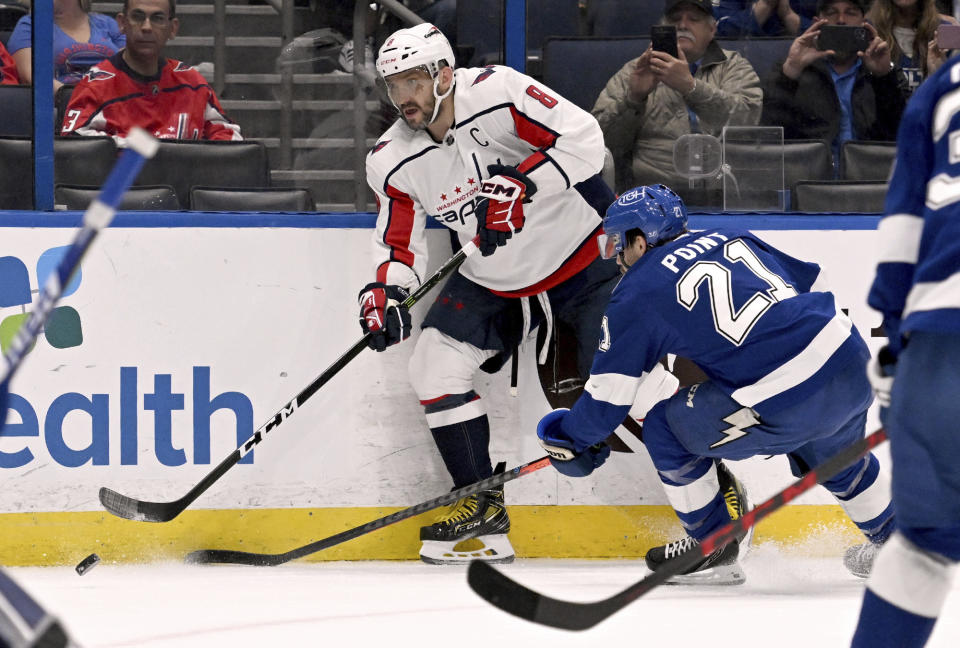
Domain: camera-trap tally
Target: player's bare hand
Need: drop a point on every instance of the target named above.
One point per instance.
(673, 72)
(876, 58)
(803, 50)
(642, 79)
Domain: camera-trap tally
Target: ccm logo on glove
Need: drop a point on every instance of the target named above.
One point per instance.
(500, 209)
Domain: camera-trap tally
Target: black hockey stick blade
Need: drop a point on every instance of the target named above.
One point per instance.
(209, 556)
(131, 508)
(512, 597)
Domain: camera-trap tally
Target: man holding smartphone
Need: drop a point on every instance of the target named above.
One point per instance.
(838, 82)
(661, 95)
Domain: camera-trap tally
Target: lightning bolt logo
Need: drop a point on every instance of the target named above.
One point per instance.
(739, 420)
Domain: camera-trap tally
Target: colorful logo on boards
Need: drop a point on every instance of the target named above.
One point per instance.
(62, 329)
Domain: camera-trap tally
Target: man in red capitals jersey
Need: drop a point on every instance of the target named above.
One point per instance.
(485, 151)
(137, 86)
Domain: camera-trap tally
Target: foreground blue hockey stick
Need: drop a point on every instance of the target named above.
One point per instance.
(98, 215)
(24, 623)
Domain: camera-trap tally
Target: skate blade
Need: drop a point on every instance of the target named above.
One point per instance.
(495, 549)
(720, 575)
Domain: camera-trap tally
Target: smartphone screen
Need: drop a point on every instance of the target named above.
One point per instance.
(663, 38)
(843, 38)
(948, 36)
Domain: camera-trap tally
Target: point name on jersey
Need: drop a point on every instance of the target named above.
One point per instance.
(692, 250)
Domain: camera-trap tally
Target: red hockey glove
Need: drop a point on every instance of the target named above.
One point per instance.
(500, 209)
(383, 315)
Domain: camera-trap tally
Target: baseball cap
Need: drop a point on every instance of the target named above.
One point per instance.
(704, 5)
(860, 4)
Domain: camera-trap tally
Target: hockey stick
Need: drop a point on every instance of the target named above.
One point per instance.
(24, 623)
(512, 597)
(134, 509)
(207, 556)
(97, 216)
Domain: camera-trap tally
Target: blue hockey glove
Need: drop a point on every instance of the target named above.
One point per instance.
(383, 315)
(500, 208)
(880, 372)
(563, 454)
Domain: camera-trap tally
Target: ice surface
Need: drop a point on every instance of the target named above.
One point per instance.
(788, 601)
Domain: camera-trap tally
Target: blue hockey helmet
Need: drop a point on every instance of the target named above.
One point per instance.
(655, 210)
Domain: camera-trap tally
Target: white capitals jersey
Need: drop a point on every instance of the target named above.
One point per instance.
(501, 117)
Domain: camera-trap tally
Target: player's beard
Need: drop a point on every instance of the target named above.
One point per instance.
(425, 113)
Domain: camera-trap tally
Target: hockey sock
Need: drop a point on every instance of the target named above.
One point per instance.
(904, 596)
(464, 446)
(694, 493)
(884, 625)
(864, 492)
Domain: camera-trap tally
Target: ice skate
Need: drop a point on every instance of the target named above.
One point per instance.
(735, 497)
(478, 523)
(859, 558)
(719, 568)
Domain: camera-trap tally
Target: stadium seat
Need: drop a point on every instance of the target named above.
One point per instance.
(10, 14)
(839, 196)
(186, 164)
(867, 160)
(16, 106)
(579, 68)
(251, 199)
(802, 159)
(606, 18)
(763, 53)
(155, 198)
(60, 101)
(77, 161)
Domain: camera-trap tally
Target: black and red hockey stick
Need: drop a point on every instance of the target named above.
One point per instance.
(207, 556)
(512, 597)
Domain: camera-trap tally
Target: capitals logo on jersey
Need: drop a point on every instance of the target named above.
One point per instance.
(96, 74)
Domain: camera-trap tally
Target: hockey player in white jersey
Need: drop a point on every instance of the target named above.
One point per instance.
(489, 152)
(785, 370)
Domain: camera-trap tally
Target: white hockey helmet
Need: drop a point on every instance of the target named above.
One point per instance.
(422, 45)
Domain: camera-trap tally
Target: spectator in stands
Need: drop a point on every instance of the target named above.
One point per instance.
(8, 69)
(748, 18)
(80, 40)
(910, 26)
(836, 96)
(137, 86)
(656, 98)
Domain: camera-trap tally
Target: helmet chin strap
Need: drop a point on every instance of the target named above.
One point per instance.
(438, 98)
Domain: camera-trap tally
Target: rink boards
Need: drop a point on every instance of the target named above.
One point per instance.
(187, 331)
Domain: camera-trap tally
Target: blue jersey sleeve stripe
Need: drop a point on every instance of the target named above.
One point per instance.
(613, 388)
(801, 367)
(942, 190)
(899, 238)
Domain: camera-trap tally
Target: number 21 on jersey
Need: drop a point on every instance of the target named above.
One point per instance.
(735, 326)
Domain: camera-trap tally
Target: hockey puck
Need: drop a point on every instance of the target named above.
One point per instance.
(87, 564)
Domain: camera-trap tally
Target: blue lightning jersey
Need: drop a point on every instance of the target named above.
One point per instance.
(918, 270)
(760, 323)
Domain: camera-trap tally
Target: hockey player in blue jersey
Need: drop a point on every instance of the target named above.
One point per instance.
(917, 289)
(785, 367)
